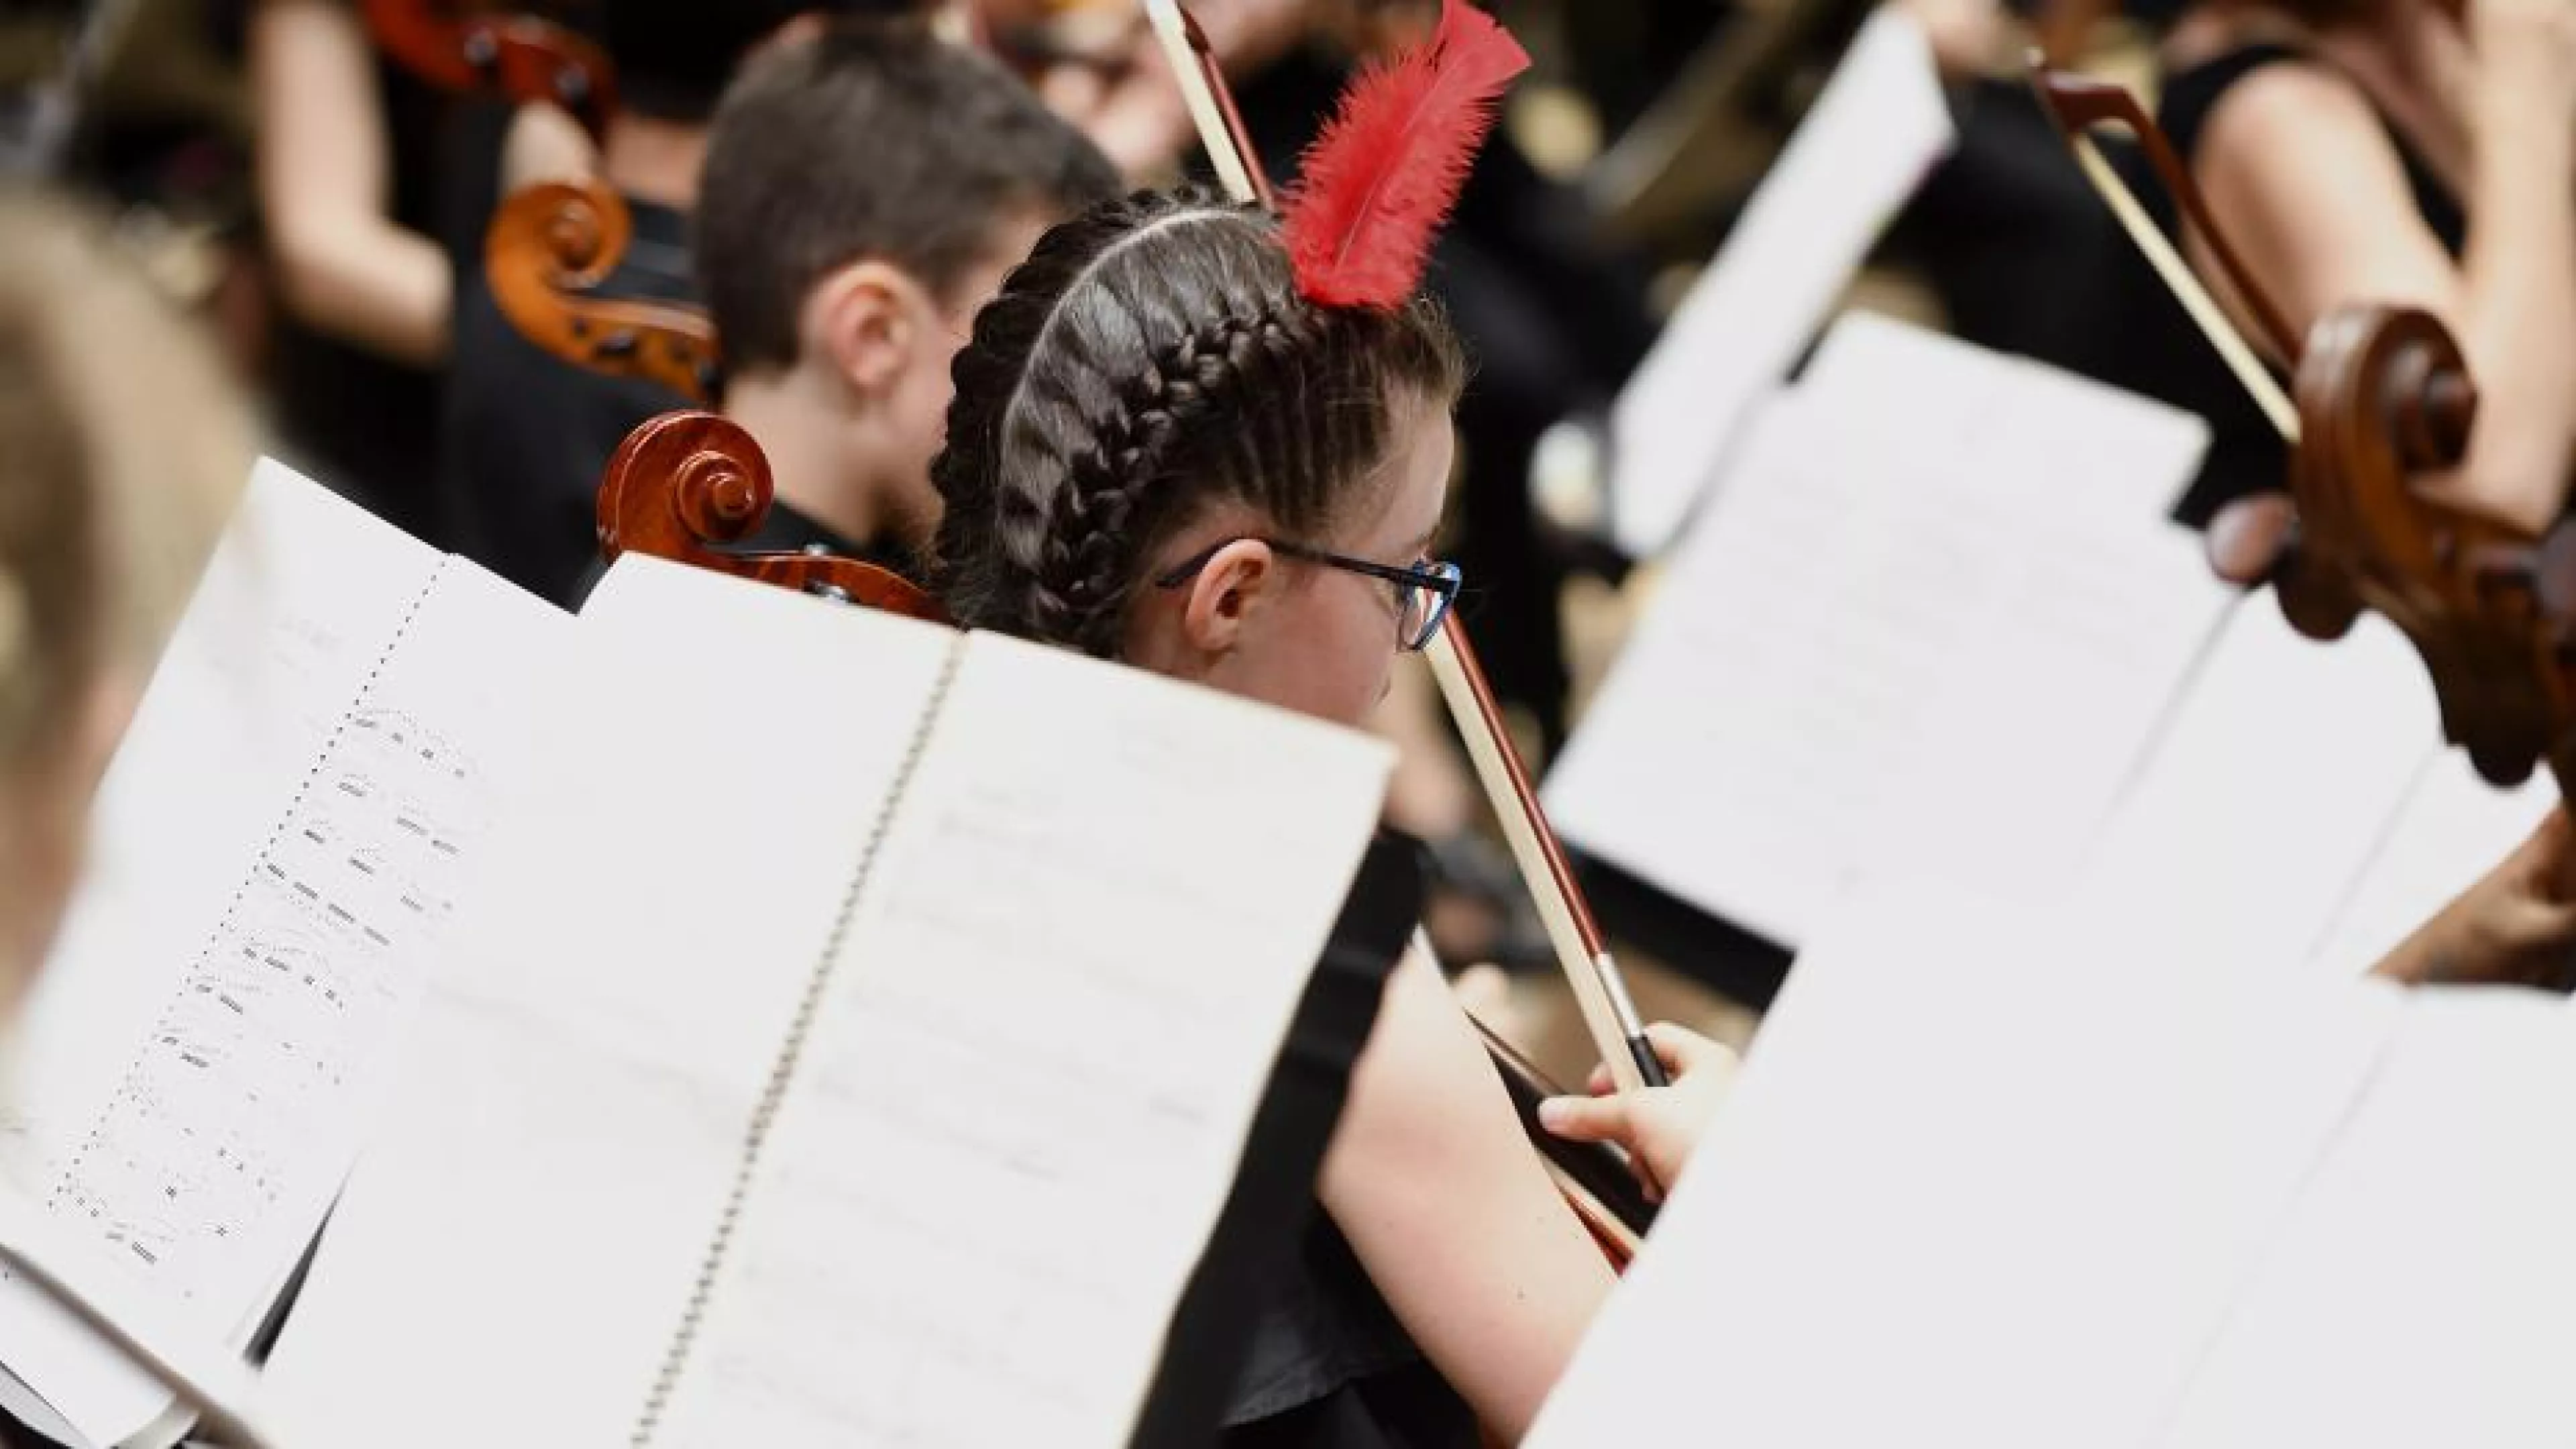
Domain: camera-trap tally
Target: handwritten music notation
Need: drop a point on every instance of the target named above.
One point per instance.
(296, 993)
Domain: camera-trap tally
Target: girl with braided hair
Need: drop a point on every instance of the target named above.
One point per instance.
(1162, 451)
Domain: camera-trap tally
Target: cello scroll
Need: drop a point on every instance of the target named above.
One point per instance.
(685, 484)
(550, 248)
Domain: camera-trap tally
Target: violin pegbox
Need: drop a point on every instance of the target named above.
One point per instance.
(2384, 398)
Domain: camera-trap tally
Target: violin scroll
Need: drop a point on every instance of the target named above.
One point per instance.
(2384, 396)
(520, 58)
(551, 246)
(685, 483)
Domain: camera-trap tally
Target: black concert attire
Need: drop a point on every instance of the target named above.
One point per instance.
(526, 435)
(356, 420)
(2246, 453)
(1281, 1338)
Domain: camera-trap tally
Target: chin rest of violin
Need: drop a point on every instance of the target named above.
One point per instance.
(551, 246)
(684, 484)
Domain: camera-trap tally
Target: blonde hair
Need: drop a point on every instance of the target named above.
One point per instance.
(122, 447)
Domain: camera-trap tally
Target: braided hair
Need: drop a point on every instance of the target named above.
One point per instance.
(1150, 361)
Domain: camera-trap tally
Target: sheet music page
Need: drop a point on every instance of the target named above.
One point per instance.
(2280, 775)
(1875, 651)
(1880, 124)
(2453, 828)
(1987, 1179)
(1022, 1105)
(149, 1028)
(515, 1249)
(2424, 1292)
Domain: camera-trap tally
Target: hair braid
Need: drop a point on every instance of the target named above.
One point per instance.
(1152, 359)
(1082, 584)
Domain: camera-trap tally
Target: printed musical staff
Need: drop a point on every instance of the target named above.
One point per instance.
(295, 995)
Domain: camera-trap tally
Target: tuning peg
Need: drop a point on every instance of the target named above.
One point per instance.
(2430, 406)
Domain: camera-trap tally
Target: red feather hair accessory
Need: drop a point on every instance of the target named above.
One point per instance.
(1381, 178)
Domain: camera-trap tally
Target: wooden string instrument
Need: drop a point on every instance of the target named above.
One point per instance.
(550, 248)
(2380, 396)
(1590, 969)
(686, 485)
(469, 49)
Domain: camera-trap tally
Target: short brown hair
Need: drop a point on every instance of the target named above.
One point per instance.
(876, 139)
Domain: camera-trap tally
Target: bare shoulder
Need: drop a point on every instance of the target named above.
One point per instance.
(2285, 114)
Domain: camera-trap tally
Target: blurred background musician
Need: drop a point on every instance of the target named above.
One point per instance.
(373, 185)
(2387, 150)
(104, 526)
(122, 446)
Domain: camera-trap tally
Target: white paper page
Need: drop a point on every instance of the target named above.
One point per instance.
(1879, 125)
(2425, 1290)
(520, 1239)
(294, 611)
(2281, 773)
(2096, 445)
(1871, 653)
(1967, 1194)
(214, 1369)
(206, 1177)
(1024, 1102)
(2453, 828)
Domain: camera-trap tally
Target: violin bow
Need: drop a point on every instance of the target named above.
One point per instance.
(1600, 990)
(2077, 104)
(2382, 393)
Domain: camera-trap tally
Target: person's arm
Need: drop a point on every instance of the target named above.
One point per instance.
(2304, 181)
(545, 143)
(344, 267)
(1448, 1208)
(2516, 926)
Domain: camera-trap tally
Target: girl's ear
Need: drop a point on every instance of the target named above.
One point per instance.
(1240, 579)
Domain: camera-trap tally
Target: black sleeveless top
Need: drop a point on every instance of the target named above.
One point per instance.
(2160, 353)
(1281, 1339)
(2192, 93)
(525, 435)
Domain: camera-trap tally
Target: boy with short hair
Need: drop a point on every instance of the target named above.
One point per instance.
(864, 193)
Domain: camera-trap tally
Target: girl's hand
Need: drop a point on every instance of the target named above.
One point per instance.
(2516, 926)
(1659, 1126)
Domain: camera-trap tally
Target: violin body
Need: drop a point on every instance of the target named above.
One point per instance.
(467, 49)
(551, 247)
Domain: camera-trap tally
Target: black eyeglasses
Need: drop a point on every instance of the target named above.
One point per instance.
(1423, 592)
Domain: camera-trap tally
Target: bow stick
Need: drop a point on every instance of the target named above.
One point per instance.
(2382, 394)
(1593, 973)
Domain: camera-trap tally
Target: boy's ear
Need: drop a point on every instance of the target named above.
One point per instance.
(866, 319)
